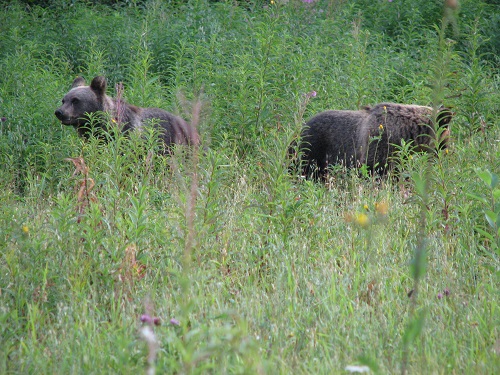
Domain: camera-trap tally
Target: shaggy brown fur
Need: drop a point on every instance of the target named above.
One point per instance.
(369, 136)
(330, 138)
(389, 124)
(83, 101)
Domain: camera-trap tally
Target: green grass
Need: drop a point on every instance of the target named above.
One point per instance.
(265, 272)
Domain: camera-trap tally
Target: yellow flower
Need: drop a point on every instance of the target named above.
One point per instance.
(365, 207)
(446, 151)
(381, 208)
(272, 2)
(381, 127)
(362, 220)
(385, 108)
(26, 230)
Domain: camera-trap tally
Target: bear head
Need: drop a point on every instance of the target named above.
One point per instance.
(81, 101)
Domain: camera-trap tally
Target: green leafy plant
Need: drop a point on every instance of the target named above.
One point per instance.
(115, 257)
(491, 208)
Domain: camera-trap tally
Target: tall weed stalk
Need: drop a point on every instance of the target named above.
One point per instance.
(416, 316)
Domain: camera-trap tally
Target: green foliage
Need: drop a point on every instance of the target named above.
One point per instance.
(249, 268)
(491, 211)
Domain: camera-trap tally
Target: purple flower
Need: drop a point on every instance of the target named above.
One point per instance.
(145, 318)
(440, 295)
(446, 292)
(311, 94)
(3, 119)
(307, 1)
(175, 322)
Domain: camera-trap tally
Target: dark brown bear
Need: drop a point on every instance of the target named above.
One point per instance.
(83, 101)
(369, 136)
(329, 138)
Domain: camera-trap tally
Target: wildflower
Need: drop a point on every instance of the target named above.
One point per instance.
(446, 292)
(145, 318)
(362, 220)
(113, 121)
(311, 94)
(381, 127)
(365, 207)
(272, 2)
(3, 119)
(446, 151)
(385, 109)
(381, 208)
(440, 295)
(175, 322)
(25, 229)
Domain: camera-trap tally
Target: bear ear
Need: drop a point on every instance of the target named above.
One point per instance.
(98, 85)
(444, 116)
(79, 81)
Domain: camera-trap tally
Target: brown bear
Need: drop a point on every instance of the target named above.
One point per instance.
(81, 103)
(369, 136)
(330, 138)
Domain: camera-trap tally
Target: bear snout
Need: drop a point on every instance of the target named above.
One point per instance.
(64, 118)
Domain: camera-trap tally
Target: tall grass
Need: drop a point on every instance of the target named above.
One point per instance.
(246, 267)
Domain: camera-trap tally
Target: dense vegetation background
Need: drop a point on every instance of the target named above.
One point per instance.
(248, 268)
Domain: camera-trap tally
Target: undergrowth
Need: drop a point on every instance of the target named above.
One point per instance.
(117, 259)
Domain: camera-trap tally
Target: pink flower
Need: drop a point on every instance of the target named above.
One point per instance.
(311, 94)
(145, 318)
(175, 322)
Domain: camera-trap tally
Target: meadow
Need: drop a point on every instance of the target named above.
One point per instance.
(224, 260)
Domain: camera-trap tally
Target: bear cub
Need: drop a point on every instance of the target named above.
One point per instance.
(83, 101)
(369, 136)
